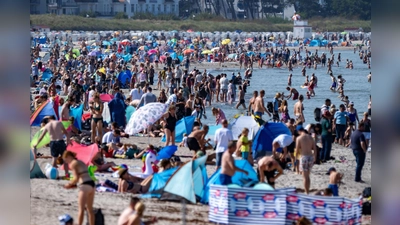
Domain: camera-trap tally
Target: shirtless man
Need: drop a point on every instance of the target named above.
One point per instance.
(267, 167)
(335, 179)
(228, 167)
(196, 140)
(298, 110)
(56, 131)
(124, 217)
(241, 98)
(305, 147)
(189, 106)
(66, 108)
(259, 107)
(128, 216)
(251, 104)
(294, 92)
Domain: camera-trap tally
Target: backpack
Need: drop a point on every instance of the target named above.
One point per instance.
(366, 208)
(367, 192)
(98, 217)
(86, 125)
(270, 107)
(317, 114)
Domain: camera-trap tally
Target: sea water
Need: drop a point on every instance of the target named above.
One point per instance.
(274, 80)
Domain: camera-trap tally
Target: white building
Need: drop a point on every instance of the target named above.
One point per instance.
(112, 7)
(301, 29)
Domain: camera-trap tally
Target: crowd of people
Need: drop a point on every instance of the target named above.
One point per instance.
(190, 92)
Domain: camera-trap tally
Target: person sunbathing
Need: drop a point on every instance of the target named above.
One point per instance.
(131, 184)
(125, 151)
(98, 160)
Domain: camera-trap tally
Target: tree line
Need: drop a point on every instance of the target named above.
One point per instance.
(256, 9)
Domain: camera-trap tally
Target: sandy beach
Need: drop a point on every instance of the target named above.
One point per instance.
(50, 200)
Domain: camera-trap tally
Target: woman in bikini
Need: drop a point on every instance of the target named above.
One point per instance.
(86, 188)
(170, 122)
(96, 110)
(129, 183)
(284, 111)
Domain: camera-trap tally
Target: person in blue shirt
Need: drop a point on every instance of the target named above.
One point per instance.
(340, 124)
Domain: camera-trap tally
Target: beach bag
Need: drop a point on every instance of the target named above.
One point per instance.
(98, 217)
(317, 114)
(86, 125)
(367, 192)
(270, 107)
(366, 208)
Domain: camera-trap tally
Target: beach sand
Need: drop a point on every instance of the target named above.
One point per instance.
(50, 200)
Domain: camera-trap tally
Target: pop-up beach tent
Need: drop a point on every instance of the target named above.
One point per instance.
(184, 125)
(187, 183)
(45, 109)
(35, 170)
(158, 183)
(242, 122)
(262, 142)
(239, 178)
(83, 152)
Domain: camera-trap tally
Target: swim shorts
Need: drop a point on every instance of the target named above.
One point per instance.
(334, 188)
(225, 179)
(193, 144)
(57, 148)
(306, 163)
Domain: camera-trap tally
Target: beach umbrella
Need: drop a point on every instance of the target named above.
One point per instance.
(94, 53)
(226, 41)
(190, 31)
(249, 40)
(106, 43)
(145, 116)
(145, 48)
(344, 33)
(167, 152)
(152, 51)
(125, 42)
(188, 51)
(215, 49)
(250, 53)
(106, 97)
(231, 56)
(206, 52)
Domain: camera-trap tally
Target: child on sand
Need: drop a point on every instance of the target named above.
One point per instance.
(184, 141)
(334, 180)
(244, 144)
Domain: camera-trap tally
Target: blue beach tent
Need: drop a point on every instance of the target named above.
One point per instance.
(187, 183)
(262, 142)
(239, 178)
(158, 182)
(184, 125)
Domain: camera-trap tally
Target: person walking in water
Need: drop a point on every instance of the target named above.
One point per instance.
(259, 107)
(305, 147)
(56, 132)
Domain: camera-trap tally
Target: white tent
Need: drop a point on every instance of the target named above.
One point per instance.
(244, 122)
